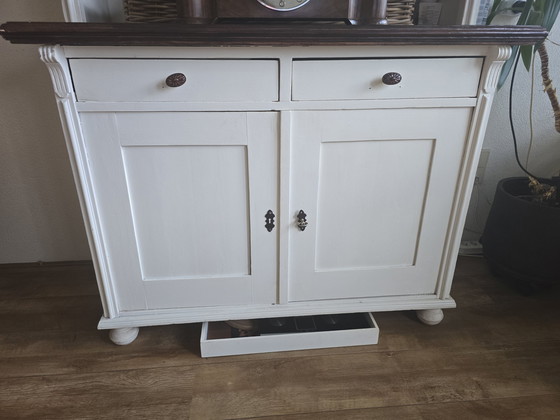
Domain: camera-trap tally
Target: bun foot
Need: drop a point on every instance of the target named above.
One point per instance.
(430, 316)
(123, 336)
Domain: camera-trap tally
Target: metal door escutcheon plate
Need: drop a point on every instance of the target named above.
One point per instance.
(269, 217)
(302, 220)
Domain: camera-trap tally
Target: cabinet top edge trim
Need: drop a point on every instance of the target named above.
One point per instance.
(154, 34)
(277, 53)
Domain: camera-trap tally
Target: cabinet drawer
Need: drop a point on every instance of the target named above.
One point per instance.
(116, 80)
(353, 330)
(363, 78)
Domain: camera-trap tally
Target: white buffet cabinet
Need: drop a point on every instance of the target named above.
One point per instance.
(178, 184)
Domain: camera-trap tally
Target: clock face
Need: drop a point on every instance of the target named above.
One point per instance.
(283, 5)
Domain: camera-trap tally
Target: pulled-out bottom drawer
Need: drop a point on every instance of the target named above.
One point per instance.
(286, 334)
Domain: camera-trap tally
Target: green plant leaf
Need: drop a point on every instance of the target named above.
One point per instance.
(526, 12)
(495, 5)
(535, 12)
(493, 11)
(508, 65)
(527, 55)
(550, 11)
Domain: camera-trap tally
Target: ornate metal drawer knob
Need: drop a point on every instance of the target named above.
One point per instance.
(176, 80)
(391, 78)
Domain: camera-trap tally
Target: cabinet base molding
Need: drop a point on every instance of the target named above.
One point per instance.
(123, 336)
(430, 316)
(192, 315)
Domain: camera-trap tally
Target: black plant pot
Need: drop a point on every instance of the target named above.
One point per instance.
(521, 240)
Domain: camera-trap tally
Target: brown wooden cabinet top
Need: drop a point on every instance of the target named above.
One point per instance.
(158, 34)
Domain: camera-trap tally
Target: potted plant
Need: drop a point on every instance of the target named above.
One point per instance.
(521, 239)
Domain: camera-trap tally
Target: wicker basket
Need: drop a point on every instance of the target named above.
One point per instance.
(400, 12)
(150, 10)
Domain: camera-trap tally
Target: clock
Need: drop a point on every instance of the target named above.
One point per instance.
(283, 5)
(260, 11)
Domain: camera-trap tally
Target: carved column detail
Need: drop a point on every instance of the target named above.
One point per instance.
(495, 69)
(56, 64)
(490, 76)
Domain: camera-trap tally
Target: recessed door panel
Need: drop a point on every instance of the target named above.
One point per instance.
(364, 240)
(190, 210)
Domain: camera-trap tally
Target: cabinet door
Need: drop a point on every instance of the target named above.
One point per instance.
(377, 187)
(181, 199)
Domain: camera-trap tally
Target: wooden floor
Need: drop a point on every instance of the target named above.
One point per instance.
(497, 356)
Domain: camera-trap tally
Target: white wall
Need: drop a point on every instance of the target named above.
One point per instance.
(544, 159)
(40, 219)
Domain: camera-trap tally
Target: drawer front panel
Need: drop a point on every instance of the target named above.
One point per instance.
(108, 80)
(362, 79)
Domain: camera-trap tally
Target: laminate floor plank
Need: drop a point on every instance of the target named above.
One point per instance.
(88, 340)
(369, 380)
(462, 327)
(89, 352)
(496, 356)
(519, 408)
(93, 395)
